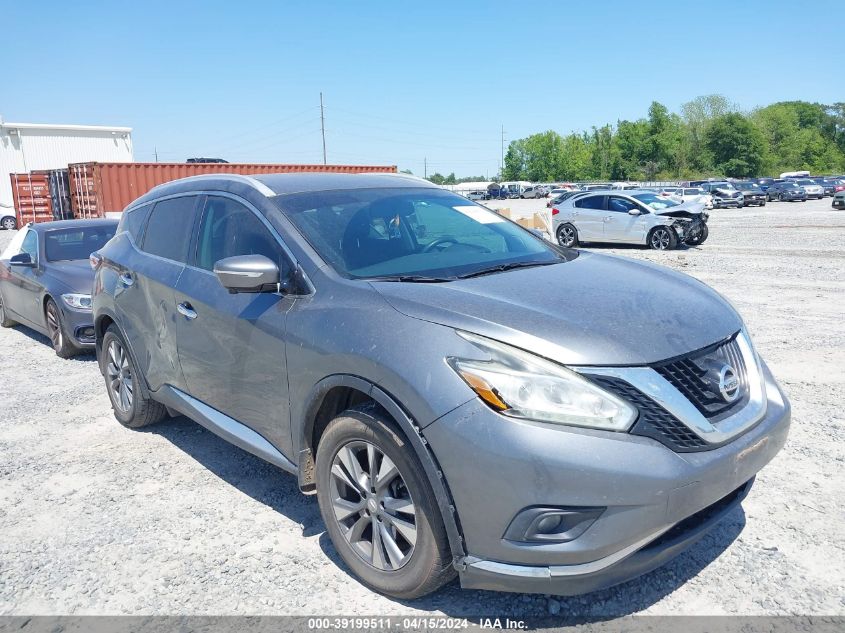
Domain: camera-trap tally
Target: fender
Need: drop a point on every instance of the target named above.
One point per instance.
(415, 438)
(98, 346)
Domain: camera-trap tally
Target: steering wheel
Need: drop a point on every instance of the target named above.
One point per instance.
(446, 239)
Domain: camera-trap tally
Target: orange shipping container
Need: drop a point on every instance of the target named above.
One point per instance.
(31, 197)
(100, 188)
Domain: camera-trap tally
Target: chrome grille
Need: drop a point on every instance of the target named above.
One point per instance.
(653, 420)
(696, 376)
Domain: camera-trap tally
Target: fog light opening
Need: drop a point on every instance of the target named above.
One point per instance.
(548, 524)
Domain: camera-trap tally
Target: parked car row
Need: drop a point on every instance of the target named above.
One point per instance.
(368, 333)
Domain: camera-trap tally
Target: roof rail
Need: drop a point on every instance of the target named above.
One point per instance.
(248, 180)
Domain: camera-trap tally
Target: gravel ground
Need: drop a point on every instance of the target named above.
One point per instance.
(97, 519)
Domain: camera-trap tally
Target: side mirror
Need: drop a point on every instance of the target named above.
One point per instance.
(22, 259)
(248, 273)
(634, 212)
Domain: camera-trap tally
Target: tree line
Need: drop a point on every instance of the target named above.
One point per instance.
(709, 137)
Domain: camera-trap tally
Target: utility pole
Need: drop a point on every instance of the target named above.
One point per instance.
(425, 168)
(323, 127)
(155, 149)
(502, 164)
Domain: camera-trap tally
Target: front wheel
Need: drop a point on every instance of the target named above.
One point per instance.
(9, 223)
(53, 316)
(663, 238)
(567, 236)
(699, 237)
(378, 506)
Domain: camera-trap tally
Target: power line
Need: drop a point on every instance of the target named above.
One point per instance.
(323, 127)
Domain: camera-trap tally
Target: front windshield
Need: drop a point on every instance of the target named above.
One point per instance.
(750, 186)
(654, 201)
(76, 243)
(692, 192)
(416, 234)
(807, 181)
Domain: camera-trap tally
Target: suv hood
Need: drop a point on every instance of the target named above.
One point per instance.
(74, 275)
(591, 310)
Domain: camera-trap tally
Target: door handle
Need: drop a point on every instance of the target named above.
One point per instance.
(127, 279)
(186, 311)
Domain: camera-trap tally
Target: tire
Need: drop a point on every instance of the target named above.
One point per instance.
(702, 237)
(411, 569)
(58, 339)
(567, 235)
(5, 321)
(781, 198)
(130, 402)
(9, 223)
(663, 238)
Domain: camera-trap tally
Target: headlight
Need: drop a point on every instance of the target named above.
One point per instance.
(77, 302)
(521, 385)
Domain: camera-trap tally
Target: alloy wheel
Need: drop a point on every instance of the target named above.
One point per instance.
(54, 325)
(566, 236)
(8, 224)
(373, 506)
(661, 239)
(119, 375)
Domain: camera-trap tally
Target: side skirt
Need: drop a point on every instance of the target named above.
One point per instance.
(221, 424)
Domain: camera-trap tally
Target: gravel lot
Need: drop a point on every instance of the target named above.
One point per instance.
(97, 519)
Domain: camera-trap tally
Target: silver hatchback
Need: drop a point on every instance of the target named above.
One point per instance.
(630, 217)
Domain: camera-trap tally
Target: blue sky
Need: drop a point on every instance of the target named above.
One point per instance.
(402, 82)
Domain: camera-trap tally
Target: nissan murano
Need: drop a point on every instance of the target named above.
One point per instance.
(463, 397)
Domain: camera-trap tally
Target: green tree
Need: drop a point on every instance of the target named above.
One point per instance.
(736, 144)
(696, 116)
(514, 168)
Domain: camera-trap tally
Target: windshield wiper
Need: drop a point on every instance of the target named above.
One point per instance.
(419, 279)
(503, 267)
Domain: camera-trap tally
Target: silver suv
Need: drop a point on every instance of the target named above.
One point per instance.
(463, 397)
(630, 217)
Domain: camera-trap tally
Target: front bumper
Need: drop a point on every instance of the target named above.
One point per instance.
(79, 327)
(658, 502)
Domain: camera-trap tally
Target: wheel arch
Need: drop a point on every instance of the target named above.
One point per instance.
(336, 393)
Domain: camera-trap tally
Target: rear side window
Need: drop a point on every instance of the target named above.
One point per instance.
(168, 232)
(229, 228)
(133, 222)
(590, 202)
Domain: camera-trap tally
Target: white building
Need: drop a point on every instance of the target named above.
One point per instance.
(28, 146)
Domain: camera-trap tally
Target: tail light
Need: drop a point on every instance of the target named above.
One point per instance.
(555, 211)
(95, 259)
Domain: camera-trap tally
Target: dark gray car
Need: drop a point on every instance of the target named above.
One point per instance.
(463, 397)
(46, 278)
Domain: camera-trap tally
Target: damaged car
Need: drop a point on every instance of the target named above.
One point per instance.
(724, 195)
(632, 217)
(752, 194)
(465, 400)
